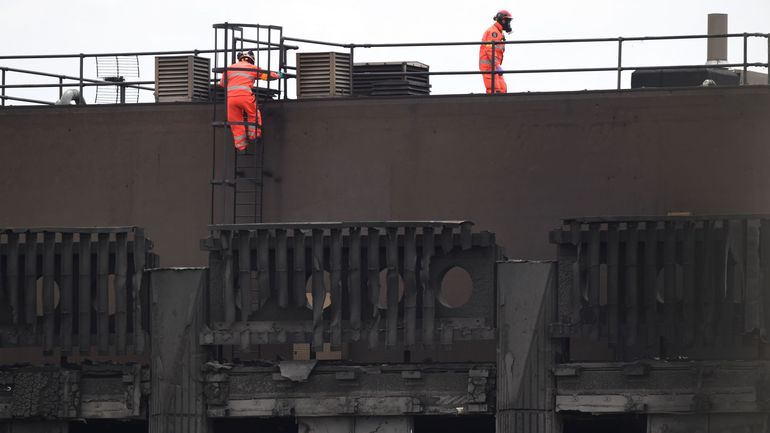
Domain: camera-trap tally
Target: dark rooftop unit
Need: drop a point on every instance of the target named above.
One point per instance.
(679, 77)
(391, 79)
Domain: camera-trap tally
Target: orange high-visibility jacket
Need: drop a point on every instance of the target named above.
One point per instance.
(239, 82)
(493, 34)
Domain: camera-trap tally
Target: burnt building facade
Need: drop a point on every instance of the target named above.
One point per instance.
(407, 316)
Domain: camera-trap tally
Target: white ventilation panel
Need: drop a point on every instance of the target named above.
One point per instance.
(323, 75)
(182, 78)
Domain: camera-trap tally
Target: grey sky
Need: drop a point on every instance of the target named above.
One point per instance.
(54, 26)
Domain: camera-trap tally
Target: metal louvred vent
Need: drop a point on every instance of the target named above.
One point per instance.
(323, 75)
(396, 79)
(181, 79)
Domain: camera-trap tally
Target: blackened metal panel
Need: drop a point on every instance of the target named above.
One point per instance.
(354, 281)
(594, 276)
(229, 289)
(49, 264)
(263, 267)
(466, 236)
(525, 359)
(428, 295)
(631, 289)
(410, 283)
(335, 263)
(579, 295)
(244, 274)
(670, 297)
(708, 291)
(447, 241)
(731, 275)
(140, 251)
(753, 302)
(392, 286)
(688, 269)
(30, 279)
(764, 263)
(66, 296)
(84, 294)
(121, 299)
(282, 267)
(319, 291)
(12, 275)
(373, 282)
(650, 284)
(613, 282)
(300, 299)
(102, 296)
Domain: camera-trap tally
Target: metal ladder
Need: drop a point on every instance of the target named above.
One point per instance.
(249, 174)
(242, 185)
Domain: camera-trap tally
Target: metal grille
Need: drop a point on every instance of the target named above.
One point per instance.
(666, 287)
(323, 75)
(259, 269)
(391, 79)
(88, 283)
(181, 79)
(117, 69)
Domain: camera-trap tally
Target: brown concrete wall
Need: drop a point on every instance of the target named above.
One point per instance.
(145, 165)
(514, 164)
(517, 164)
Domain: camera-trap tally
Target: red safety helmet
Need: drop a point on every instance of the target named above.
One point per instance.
(247, 55)
(502, 13)
(504, 18)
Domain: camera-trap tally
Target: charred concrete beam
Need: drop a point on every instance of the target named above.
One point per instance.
(101, 391)
(388, 390)
(660, 387)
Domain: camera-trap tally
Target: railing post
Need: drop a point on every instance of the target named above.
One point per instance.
(493, 71)
(352, 68)
(82, 95)
(3, 86)
(745, 59)
(620, 60)
(61, 89)
(767, 36)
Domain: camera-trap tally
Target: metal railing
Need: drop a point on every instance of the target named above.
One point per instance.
(619, 68)
(80, 81)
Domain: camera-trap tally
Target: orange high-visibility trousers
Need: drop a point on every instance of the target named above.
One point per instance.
(500, 85)
(238, 108)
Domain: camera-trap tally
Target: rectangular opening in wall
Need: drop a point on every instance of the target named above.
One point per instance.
(455, 424)
(108, 425)
(587, 423)
(250, 425)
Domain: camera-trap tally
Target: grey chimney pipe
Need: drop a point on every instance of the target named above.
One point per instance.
(717, 47)
(69, 96)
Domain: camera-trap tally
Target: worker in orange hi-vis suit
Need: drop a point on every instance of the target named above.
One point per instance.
(239, 78)
(488, 62)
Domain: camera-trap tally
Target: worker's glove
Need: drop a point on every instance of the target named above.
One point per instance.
(281, 75)
(499, 70)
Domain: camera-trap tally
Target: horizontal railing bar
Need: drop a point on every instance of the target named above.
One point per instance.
(529, 41)
(310, 41)
(46, 74)
(13, 98)
(139, 53)
(128, 84)
(252, 26)
(543, 71)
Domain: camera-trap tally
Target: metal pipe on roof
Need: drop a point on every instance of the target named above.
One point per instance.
(716, 51)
